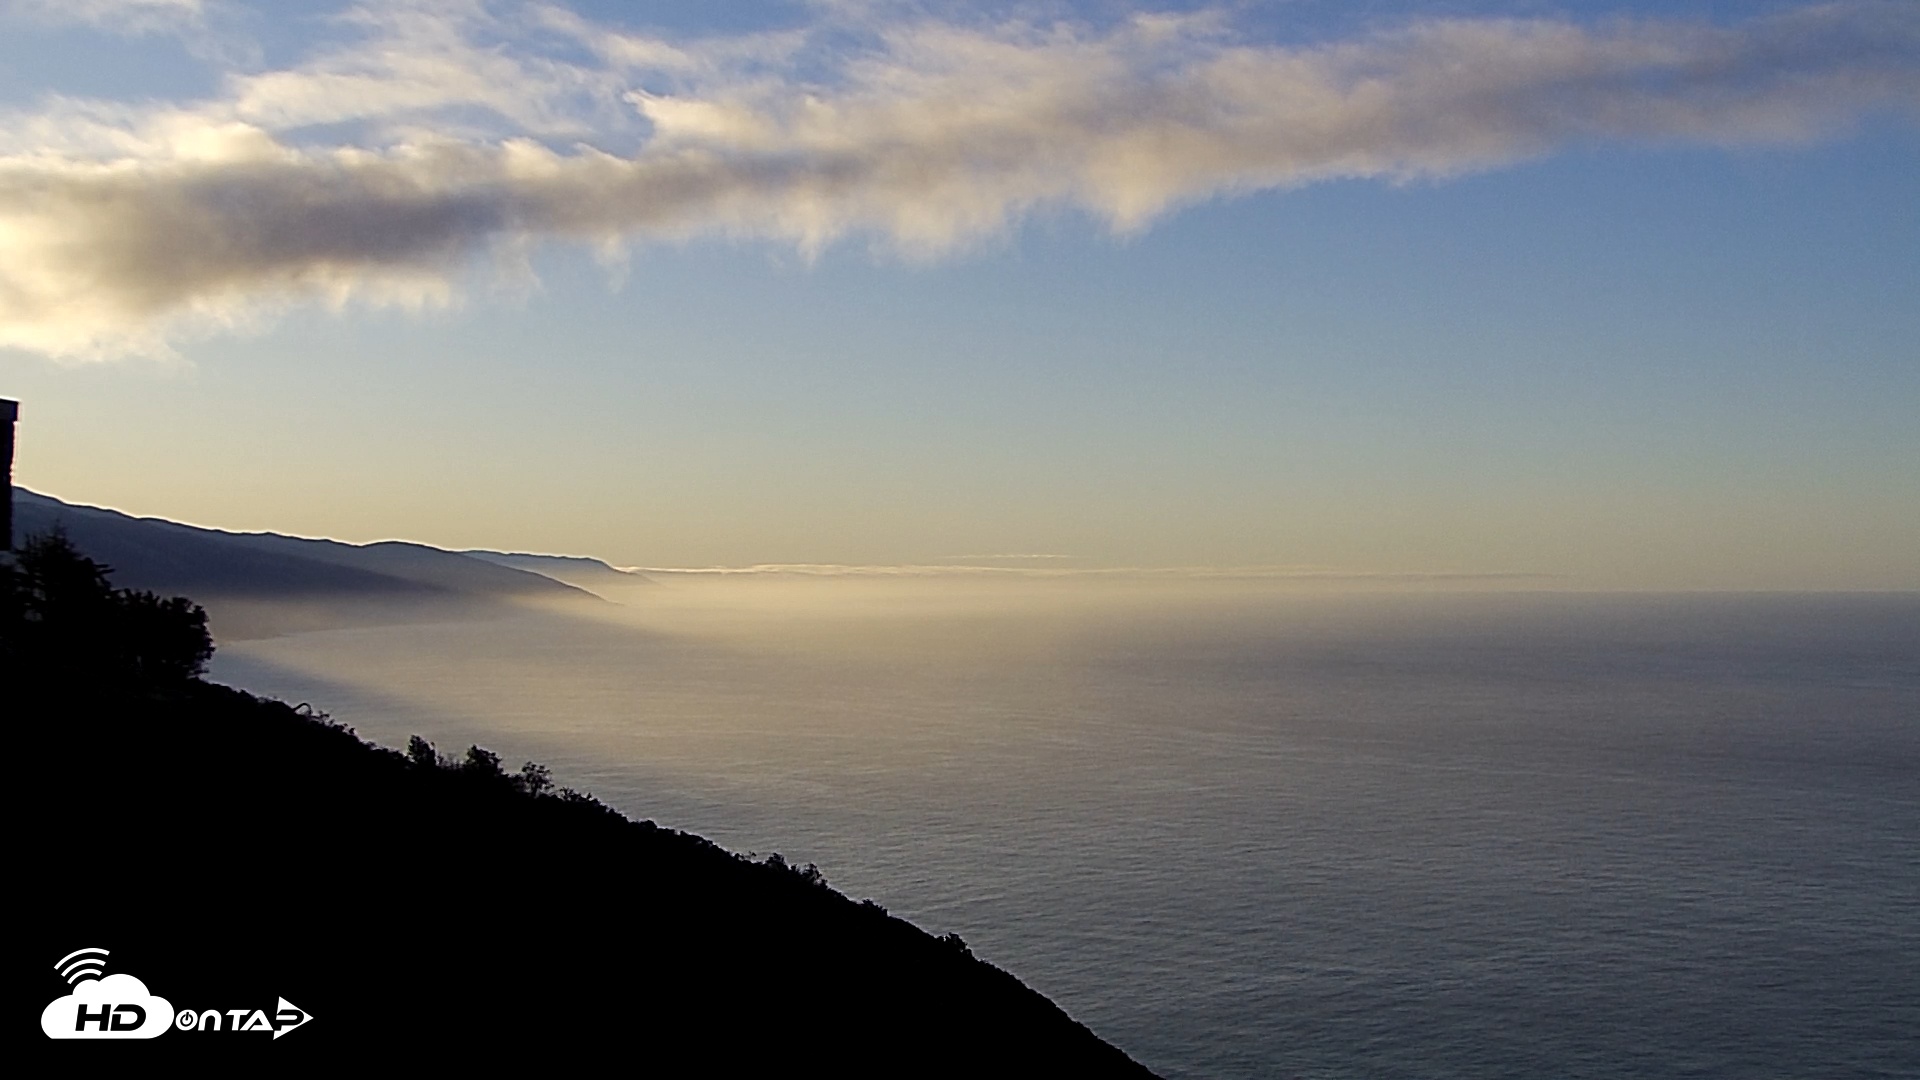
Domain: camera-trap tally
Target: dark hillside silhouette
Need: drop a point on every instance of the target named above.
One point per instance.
(232, 851)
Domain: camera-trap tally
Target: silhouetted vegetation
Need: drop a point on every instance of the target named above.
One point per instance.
(231, 850)
(63, 617)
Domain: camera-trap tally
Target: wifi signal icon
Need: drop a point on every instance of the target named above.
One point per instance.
(82, 964)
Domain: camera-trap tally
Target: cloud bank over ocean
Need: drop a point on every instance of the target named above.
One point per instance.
(425, 138)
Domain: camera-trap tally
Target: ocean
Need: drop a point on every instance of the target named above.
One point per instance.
(1242, 830)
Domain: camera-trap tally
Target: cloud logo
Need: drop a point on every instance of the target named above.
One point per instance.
(115, 1007)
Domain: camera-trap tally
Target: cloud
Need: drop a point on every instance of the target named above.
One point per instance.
(119, 16)
(1170, 573)
(129, 18)
(1005, 558)
(125, 1000)
(379, 170)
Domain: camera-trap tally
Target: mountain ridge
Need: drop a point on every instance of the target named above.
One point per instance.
(262, 584)
(580, 571)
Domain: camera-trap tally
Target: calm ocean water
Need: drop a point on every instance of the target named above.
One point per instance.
(1253, 835)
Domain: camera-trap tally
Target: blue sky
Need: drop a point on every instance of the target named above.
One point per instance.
(1621, 294)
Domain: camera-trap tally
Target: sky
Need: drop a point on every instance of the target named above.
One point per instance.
(1590, 295)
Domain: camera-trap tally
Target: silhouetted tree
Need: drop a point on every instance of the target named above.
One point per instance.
(56, 589)
(484, 763)
(535, 778)
(164, 640)
(420, 753)
(61, 611)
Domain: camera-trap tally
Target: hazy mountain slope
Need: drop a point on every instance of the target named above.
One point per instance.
(254, 584)
(572, 569)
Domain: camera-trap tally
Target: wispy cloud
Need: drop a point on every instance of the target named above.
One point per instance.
(441, 130)
(1150, 573)
(1004, 558)
(118, 16)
